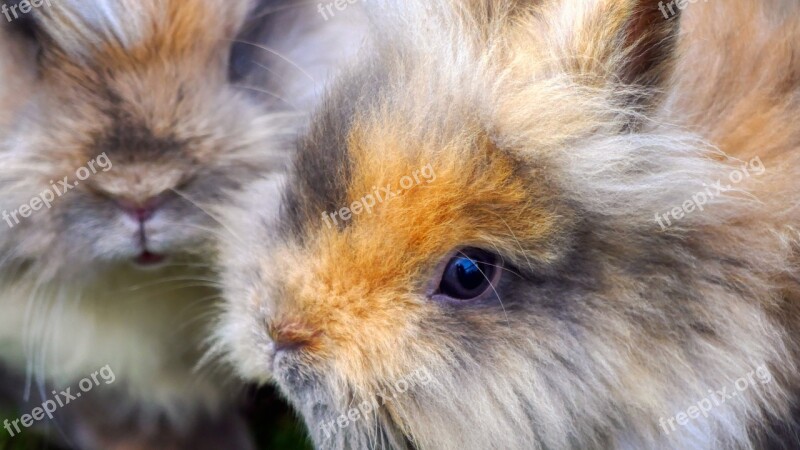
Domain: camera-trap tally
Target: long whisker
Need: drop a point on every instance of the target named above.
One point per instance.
(279, 55)
(270, 93)
(198, 265)
(278, 9)
(29, 342)
(508, 322)
(517, 274)
(212, 231)
(56, 312)
(219, 221)
(162, 281)
(204, 317)
(270, 71)
(519, 244)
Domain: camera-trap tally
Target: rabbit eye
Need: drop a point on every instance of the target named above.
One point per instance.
(469, 274)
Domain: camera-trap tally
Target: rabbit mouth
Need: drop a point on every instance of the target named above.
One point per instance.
(148, 259)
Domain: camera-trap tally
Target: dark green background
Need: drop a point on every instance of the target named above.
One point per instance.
(274, 426)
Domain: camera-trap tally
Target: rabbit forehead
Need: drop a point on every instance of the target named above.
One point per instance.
(437, 191)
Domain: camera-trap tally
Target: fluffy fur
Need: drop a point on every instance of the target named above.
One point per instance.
(557, 130)
(150, 85)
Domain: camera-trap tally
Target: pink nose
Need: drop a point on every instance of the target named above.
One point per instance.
(140, 211)
(293, 335)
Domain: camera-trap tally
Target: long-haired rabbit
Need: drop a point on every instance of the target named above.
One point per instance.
(123, 121)
(516, 225)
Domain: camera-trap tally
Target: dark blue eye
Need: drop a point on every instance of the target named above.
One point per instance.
(469, 274)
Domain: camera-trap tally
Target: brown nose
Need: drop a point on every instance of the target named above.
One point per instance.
(293, 335)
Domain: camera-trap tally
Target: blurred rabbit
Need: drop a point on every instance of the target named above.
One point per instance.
(121, 122)
(470, 254)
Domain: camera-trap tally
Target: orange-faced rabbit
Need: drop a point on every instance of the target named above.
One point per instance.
(509, 228)
(122, 122)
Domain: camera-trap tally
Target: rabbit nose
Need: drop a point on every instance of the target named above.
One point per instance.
(140, 211)
(292, 335)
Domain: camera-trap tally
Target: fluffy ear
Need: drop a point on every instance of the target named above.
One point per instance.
(629, 41)
(632, 41)
(81, 28)
(77, 28)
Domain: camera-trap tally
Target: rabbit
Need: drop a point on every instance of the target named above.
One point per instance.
(566, 224)
(121, 123)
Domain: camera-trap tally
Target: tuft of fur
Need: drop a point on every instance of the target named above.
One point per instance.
(150, 85)
(558, 131)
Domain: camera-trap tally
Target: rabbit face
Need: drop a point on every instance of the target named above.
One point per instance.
(143, 88)
(528, 277)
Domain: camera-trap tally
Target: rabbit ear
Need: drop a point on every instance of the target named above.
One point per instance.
(78, 27)
(81, 28)
(632, 41)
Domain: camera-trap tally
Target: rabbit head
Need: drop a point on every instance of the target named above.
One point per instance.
(468, 254)
(132, 122)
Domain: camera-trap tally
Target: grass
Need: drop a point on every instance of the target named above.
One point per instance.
(274, 424)
(25, 441)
